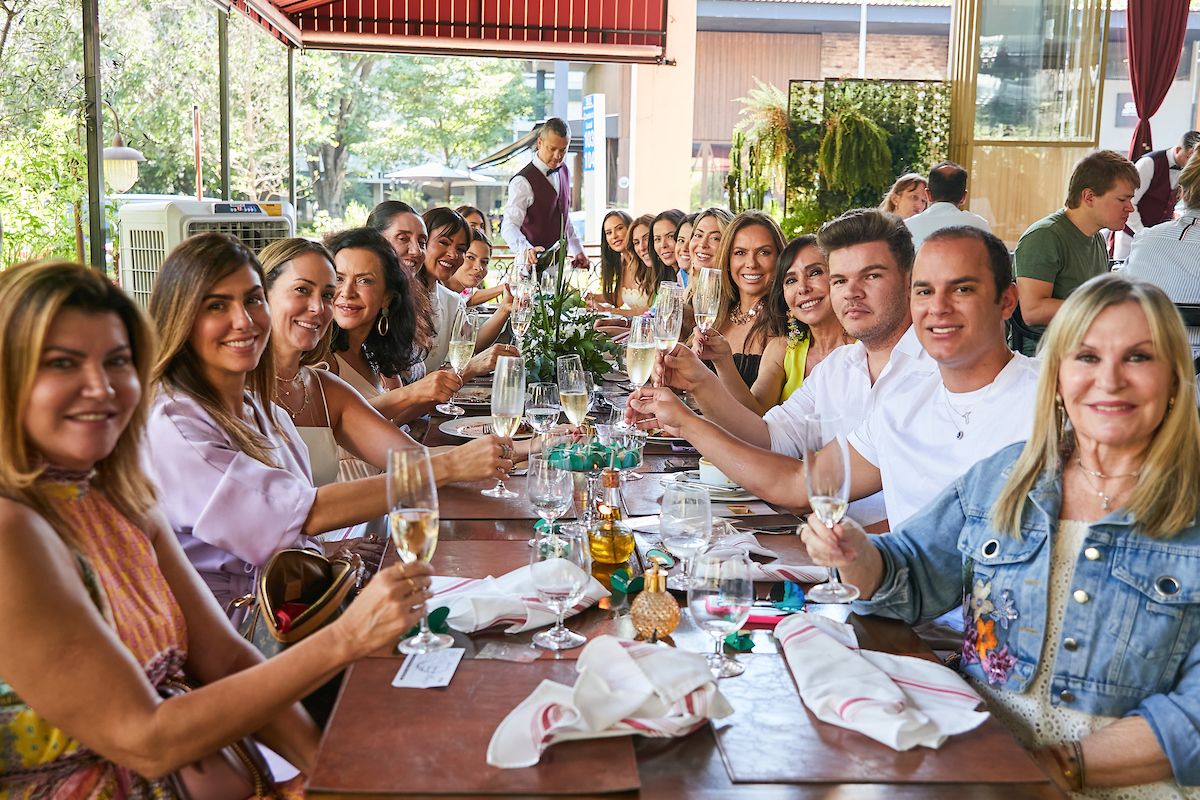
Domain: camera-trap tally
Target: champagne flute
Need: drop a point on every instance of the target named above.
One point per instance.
(668, 316)
(508, 403)
(462, 347)
(639, 351)
(684, 526)
(560, 570)
(550, 489)
(413, 522)
(707, 297)
(542, 406)
(827, 475)
(572, 388)
(522, 311)
(719, 601)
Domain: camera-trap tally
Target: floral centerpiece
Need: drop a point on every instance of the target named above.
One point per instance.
(562, 325)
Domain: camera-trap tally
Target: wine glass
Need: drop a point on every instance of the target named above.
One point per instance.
(550, 489)
(573, 388)
(560, 570)
(413, 522)
(462, 347)
(827, 475)
(625, 437)
(707, 297)
(668, 316)
(719, 601)
(508, 403)
(522, 310)
(639, 350)
(542, 406)
(684, 526)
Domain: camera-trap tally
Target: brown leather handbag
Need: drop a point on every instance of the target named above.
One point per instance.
(235, 772)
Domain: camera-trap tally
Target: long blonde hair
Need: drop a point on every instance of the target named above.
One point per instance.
(275, 259)
(31, 297)
(184, 279)
(1167, 494)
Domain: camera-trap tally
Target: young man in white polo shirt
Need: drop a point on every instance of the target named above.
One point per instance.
(870, 257)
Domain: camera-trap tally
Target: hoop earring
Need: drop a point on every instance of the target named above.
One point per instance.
(382, 326)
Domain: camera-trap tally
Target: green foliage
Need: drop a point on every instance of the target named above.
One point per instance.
(854, 154)
(767, 130)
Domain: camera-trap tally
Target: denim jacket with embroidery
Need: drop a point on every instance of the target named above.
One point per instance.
(1131, 631)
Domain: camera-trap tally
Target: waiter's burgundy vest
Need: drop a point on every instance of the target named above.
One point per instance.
(546, 217)
(1158, 203)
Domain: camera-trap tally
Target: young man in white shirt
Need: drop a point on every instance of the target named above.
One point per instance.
(947, 190)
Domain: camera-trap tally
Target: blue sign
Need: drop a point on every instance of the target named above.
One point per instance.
(589, 133)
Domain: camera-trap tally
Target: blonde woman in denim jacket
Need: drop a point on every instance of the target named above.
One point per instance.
(1080, 555)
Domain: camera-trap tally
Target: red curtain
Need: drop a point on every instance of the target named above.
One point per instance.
(1156, 29)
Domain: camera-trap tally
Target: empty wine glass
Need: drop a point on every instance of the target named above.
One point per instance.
(573, 388)
(413, 523)
(719, 601)
(508, 404)
(827, 475)
(639, 350)
(550, 490)
(684, 526)
(462, 347)
(707, 297)
(560, 570)
(542, 406)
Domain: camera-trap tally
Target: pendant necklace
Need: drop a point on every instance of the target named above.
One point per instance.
(739, 317)
(298, 377)
(1104, 499)
(966, 418)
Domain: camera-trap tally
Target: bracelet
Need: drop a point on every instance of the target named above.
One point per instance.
(1068, 757)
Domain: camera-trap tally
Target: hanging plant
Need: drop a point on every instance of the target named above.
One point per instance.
(854, 154)
(767, 128)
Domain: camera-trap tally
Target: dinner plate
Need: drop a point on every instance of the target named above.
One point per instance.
(473, 396)
(473, 428)
(722, 494)
(664, 439)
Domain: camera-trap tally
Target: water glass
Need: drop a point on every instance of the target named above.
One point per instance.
(684, 526)
(719, 601)
(827, 476)
(560, 570)
(550, 488)
(542, 406)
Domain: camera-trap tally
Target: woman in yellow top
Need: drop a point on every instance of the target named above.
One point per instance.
(799, 300)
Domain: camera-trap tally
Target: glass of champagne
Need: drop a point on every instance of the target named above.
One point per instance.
(542, 406)
(560, 570)
(462, 347)
(508, 403)
(572, 388)
(827, 475)
(707, 297)
(668, 316)
(639, 351)
(413, 523)
(550, 489)
(684, 526)
(522, 311)
(719, 601)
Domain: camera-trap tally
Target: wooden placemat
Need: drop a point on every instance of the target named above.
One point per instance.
(434, 741)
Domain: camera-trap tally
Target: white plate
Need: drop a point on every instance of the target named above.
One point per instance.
(472, 428)
(474, 396)
(721, 494)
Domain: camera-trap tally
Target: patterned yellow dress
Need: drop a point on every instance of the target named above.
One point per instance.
(120, 569)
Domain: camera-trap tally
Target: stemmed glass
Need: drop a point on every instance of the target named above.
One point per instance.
(508, 403)
(560, 569)
(542, 406)
(668, 316)
(707, 297)
(628, 438)
(639, 351)
(573, 388)
(522, 310)
(413, 522)
(550, 488)
(684, 526)
(827, 475)
(719, 601)
(462, 347)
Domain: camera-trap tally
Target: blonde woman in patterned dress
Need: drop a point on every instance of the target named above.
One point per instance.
(100, 603)
(1081, 555)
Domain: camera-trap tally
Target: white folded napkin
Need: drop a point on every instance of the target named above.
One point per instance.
(900, 701)
(478, 603)
(776, 570)
(624, 687)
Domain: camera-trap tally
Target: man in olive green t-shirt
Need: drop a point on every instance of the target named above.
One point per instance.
(1065, 249)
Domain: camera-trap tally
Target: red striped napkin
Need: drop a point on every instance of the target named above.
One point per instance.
(478, 603)
(623, 688)
(899, 701)
(775, 570)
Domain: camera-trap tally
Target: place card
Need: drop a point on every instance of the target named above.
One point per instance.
(428, 670)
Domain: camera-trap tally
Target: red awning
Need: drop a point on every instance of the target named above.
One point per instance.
(633, 31)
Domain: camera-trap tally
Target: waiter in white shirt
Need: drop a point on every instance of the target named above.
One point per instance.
(539, 200)
(947, 189)
(1154, 201)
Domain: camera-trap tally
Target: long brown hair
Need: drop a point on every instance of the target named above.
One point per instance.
(275, 259)
(612, 262)
(185, 277)
(1166, 496)
(645, 276)
(763, 327)
(31, 297)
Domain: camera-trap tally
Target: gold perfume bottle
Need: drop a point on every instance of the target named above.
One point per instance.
(610, 539)
(654, 612)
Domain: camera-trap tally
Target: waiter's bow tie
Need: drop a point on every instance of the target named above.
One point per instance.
(553, 170)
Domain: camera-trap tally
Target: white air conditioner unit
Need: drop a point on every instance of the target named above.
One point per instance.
(148, 231)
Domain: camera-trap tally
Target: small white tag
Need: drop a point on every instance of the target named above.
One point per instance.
(428, 670)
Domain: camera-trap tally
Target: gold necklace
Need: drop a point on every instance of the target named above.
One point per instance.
(739, 317)
(304, 397)
(1104, 499)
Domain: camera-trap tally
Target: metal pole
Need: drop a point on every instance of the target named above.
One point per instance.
(292, 127)
(223, 58)
(97, 225)
(862, 41)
